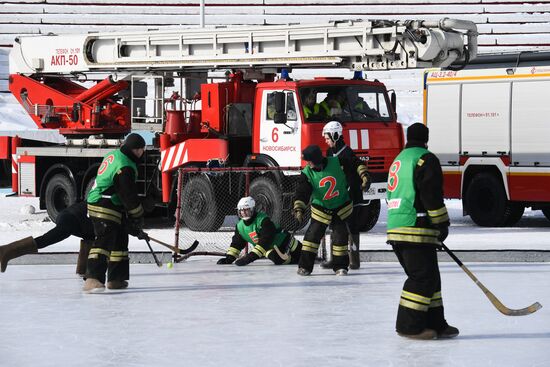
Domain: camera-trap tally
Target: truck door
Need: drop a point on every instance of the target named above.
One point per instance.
(281, 141)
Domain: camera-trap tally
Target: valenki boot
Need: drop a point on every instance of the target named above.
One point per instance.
(354, 256)
(16, 249)
(85, 246)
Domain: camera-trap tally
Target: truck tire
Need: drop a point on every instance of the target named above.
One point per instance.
(546, 212)
(60, 193)
(200, 210)
(487, 203)
(368, 215)
(269, 199)
(88, 188)
(515, 213)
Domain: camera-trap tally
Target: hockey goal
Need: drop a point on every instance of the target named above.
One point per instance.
(207, 201)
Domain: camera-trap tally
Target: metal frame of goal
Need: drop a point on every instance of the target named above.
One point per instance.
(207, 200)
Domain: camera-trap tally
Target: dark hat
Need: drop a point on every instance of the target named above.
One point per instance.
(134, 141)
(418, 132)
(313, 154)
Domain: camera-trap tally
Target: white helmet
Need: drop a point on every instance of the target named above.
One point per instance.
(245, 207)
(333, 129)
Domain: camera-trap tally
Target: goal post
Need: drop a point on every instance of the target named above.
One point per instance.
(207, 198)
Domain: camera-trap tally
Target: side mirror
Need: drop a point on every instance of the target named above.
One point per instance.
(280, 112)
(393, 101)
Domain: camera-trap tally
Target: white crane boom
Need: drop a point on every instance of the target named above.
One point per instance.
(357, 45)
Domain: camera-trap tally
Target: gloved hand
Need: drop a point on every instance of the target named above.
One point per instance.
(365, 182)
(142, 235)
(245, 260)
(299, 215)
(135, 226)
(443, 233)
(226, 260)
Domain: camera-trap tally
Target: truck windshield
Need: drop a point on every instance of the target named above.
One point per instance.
(346, 103)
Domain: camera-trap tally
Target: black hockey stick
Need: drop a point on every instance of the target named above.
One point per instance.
(157, 261)
(494, 300)
(286, 255)
(175, 249)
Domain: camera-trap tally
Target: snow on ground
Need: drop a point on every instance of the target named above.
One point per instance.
(531, 233)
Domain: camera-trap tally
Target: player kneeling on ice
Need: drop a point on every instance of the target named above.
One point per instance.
(267, 239)
(324, 180)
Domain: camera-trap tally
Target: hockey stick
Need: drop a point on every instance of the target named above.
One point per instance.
(175, 249)
(286, 255)
(157, 261)
(494, 300)
(200, 253)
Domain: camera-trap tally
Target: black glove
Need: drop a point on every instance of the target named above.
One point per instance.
(135, 226)
(142, 235)
(299, 215)
(443, 233)
(245, 260)
(226, 260)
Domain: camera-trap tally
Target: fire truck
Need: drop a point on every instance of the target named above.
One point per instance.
(489, 127)
(157, 81)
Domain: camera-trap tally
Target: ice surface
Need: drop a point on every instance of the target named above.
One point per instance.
(203, 314)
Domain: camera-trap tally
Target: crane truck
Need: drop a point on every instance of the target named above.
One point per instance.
(251, 118)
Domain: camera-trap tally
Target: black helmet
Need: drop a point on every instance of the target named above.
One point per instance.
(418, 132)
(313, 154)
(134, 141)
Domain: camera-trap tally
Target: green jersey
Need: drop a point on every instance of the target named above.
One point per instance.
(401, 191)
(330, 187)
(250, 232)
(111, 165)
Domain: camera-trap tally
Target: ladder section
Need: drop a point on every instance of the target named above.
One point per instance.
(357, 45)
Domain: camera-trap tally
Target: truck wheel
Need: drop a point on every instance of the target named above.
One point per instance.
(269, 199)
(88, 188)
(60, 193)
(546, 212)
(515, 213)
(200, 210)
(368, 215)
(486, 201)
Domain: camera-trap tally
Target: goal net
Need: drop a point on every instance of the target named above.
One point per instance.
(207, 203)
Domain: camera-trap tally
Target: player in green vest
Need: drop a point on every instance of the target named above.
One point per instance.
(267, 239)
(115, 210)
(333, 135)
(417, 223)
(324, 181)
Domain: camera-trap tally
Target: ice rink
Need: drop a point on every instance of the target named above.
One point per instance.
(203, 314)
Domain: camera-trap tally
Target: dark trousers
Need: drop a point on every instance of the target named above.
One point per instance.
(338, 238)
(421, 304)
(109, 252)
(67, 225)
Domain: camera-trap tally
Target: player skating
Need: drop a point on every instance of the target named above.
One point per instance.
(267, 239)
(115, 209)
(417, 224)
(333, 134)
(324, 181)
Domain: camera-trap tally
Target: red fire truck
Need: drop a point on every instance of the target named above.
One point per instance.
(250, 118)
